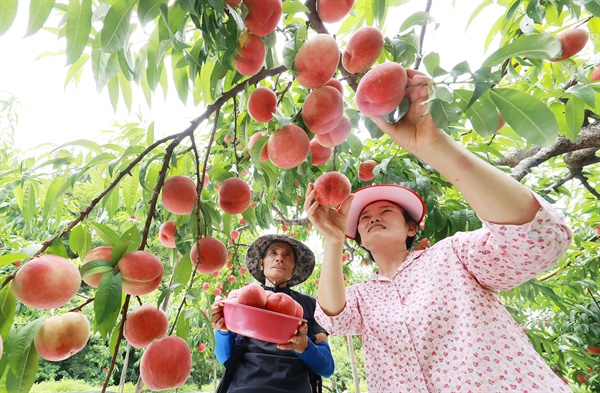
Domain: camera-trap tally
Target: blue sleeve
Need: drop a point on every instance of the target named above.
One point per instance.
(318, 358)
(223, 345)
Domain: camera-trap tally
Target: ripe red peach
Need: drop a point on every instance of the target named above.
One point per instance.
(211, 253)
(264, 154)
(263, 16)
(597, 230)
(331, 11)
(571, 41)
(501, 122)
(332, 188)
(262, 103)
(252, 295)
(234, 195)
(282, 303)
(62, 336)
(179, 195)
(365, 170)
(338, 135)
(363, 49)
(323, 110)
(250, 54)
(381, 90)
(46, 282)
(320, 154)
(141, 271)
(96, 254)
(595, 74)
(299, 310)
(144, 324)
(288, 147)
(336, 84)
(166, 363)
(316, 61)
(166, 234)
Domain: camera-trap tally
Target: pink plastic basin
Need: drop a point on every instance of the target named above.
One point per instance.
(259, 323)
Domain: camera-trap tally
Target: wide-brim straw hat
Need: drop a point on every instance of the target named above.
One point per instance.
(304, 258)
(404, 197)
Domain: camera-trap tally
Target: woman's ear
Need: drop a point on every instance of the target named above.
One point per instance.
(260, 265)
(412, 228)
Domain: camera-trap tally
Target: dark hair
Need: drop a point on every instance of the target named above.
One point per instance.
(409, 239)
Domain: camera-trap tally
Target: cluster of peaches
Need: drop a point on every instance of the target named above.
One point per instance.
(255, 295)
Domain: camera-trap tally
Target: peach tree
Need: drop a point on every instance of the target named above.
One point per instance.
(283, 96)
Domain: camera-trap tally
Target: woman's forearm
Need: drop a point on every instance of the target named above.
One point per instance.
(332, 292)
(494, 195)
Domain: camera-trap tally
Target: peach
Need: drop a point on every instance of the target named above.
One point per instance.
(597, 230)
(323, 110)
(299, 310)
(282, 303)
(288, 147)
(142, 272)
(262, 103)
(320, 154)
(501, 122)
(250, 54)
(338, 135)
(144, 324)
(179, 195)
(211, 253)
(336, 84)
(316, 61)
(332, 188)
(96, 254)
(234, 195)
(166, 234)
(363, 49)
(571, 42)
(381, 90)
(166, 363)
(331, 11)
(595, 74)
(263, 16)
(62, 336)
(253, 295)
(264, 154)
(365, 170)
(233, 294)
(46, 282)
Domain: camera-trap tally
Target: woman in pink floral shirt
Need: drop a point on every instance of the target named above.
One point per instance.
(431, 320)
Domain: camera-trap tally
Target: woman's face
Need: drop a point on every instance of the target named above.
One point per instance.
(278, 263)
(382, 222)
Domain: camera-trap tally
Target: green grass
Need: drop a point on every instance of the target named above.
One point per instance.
(71, 385)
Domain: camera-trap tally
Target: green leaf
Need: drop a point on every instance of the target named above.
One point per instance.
(7, 259)
(97, 266)
(183, 270)
(52, 195)
(29, 209)
(8, 13)
(39, 10)
(482, 114)
(133, 237)
(420, 18)
(585, 93)
(21, 380)
(148, 10)
(8, 304)
(575, 115)
(110, 237)
(533, 46)
(57, 248)
(79, 26)
(108, 298)
(527, 115)
(116, 26)
(22, 342)
(129, 187)
(291, 7)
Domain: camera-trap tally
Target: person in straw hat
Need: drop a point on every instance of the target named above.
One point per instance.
(278, 262)
(431, 320)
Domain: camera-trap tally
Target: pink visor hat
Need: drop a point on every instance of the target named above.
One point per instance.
(404, 197)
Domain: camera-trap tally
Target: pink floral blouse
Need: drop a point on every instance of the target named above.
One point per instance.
(438, 325)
